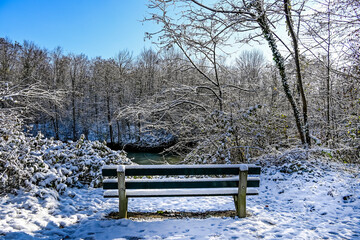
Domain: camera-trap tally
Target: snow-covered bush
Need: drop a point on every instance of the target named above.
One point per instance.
(36, 162)
(230, 137)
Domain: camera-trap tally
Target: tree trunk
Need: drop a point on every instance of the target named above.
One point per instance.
(73, 104)
(56, 123)
(328, 80)
(118, 131)
(280, 64)
(109, 119)
(298, 71)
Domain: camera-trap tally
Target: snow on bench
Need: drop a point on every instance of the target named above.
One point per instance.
(180, 192)
(184, 185)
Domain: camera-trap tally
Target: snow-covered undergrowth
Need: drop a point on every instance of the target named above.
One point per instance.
(302, 196)
(47, 167)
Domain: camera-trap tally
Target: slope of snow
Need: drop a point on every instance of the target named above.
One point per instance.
(319, 200)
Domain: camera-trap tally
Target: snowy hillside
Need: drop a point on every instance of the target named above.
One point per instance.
(299, 199)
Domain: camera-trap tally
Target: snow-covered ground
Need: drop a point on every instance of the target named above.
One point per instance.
(317, 201)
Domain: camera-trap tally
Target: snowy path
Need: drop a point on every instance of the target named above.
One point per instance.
(321, 204)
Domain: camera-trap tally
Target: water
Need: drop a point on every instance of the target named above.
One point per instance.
(145, 158)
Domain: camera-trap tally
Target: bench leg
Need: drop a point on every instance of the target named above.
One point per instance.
(240, 199)
(123, 201)
(236, 203)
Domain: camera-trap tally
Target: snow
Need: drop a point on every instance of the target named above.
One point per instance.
(320, 200)
(192, 179)
(179, 192)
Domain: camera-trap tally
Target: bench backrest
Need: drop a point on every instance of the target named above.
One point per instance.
(161, 170)
(181, 170)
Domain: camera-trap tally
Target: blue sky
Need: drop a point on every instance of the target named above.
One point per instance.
(93, 27)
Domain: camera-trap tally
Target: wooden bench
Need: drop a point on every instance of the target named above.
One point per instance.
(215, 180)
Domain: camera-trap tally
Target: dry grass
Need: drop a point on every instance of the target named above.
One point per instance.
(173, 215)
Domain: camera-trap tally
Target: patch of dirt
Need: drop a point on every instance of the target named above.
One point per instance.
(173, 215)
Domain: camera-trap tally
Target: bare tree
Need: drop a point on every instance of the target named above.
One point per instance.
(124, 63)
(8, 59)
(105, 74)
(319, 40)
(60, 71)
(250, 66)
(238, 17)
(24, 80)
(78, 71)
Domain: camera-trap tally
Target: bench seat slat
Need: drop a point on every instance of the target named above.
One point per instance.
(209, 169)
(179, 192)
(181, 183)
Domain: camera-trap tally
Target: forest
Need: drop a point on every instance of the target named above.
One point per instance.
(193, 98)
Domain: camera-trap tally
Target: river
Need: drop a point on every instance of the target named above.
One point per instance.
(146, 158)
